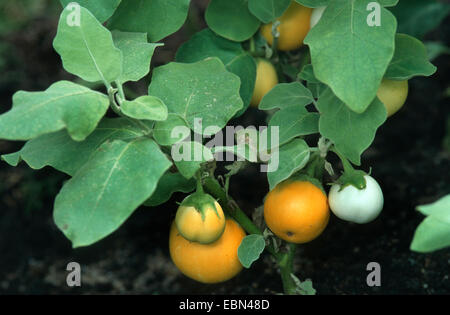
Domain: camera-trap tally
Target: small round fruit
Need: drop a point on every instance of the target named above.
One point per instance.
(393, 95)
(200, 218)
(296, 211)
(266, 79)
(293, 28)
(357, 205)
(208, 263)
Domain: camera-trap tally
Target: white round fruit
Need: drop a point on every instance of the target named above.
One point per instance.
(357, 205)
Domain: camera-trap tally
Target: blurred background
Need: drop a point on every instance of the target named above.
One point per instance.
(410, 158)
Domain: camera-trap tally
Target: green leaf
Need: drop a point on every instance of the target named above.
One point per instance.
(250, 249)
(145, 107)
(137, 54)
(102, 9)
(118, 178)
(313, 3)
(303, 287)
(349, 55)
(306, 288)
(62, 105)
(410, 59)
(289, 159)
(241, 151)
(315, 86)
(165, 132)
(307, 74)
(168, 185)
(188, 157)
(431, 235)
(206, 44)
(246, 147)
(294, 121)
(434, 231)
(285, 95)
(352, 133)
(157, 18)
(268, 10)
(87, 50)
(438, 208)
(388, 3)
(430, 13)
(204, 90)
(67, 155)
(231, 19)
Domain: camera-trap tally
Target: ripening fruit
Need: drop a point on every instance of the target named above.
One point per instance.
(393, 95)
(208, 263)
(296, 211)
(357, 205)
(293, 28)
(200, 218)
(266, 79)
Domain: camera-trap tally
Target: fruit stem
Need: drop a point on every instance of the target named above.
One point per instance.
(286, 264)
(315, 166)
(120, 90)
(199, 184)
(348, 168)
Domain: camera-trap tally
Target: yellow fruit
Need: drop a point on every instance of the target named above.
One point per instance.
(296, 211)
(208, 263)
(393, 95)
(293, 28)
(266, 79)
(200, 218)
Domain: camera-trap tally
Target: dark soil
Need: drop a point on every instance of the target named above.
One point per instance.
(407, 158)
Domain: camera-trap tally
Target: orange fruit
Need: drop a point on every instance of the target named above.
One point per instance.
(208, 263)
(296, 211)
(266, 79)
(293, 28)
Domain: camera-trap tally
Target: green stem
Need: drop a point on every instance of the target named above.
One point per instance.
(315, 167)
(348, 168)
(199, 184)
(116, 102)
(120, 89)
(252, 46)
(275, 36)
(286, 264)
(112, 100)
(230, 206)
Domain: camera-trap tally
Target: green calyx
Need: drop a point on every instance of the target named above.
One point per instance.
(354, 178)
(350, 176)
(201, 202)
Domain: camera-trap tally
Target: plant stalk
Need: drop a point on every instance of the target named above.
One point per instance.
(285, 260)
(229, 205)
(286, 264)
